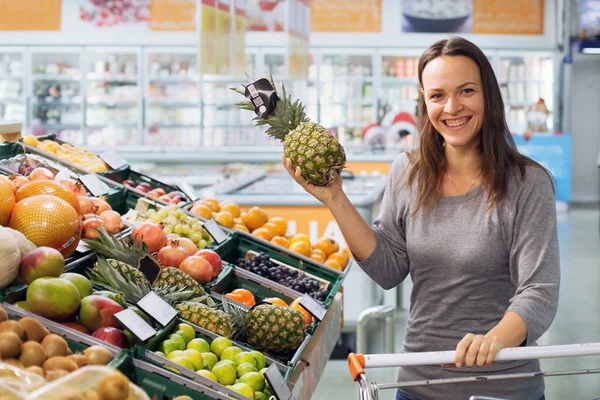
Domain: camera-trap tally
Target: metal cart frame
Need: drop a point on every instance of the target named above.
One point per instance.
(369, 390)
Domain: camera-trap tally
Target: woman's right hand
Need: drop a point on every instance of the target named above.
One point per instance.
(325, 194)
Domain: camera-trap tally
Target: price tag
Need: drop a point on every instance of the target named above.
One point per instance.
(157, 308)
(63, 174)
(215, 231)
(189, 191)
(278, 386)
(135, 324)
(94, 185)
(313, 307)
(113, 159)
(150, 269)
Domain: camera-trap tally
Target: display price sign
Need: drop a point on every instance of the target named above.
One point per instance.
(278, 385)
(215, 231)
(113, 159)
(313, 307)
(135, 324)
(161, 311)
(94, 185)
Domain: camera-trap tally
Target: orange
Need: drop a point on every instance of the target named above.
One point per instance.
(254, 218)
(296, 306)
(30, 140)
(234, 297)
(240, 228)
(224, 218)
(318, 257)
(334, 264)
(262, 233)
(276, 301)
(281, 225)
(301, 237)
(212, 204)
(272, 228)
(231, 208)
(302, 248)
(281, 241)
(341, 257)
(246, 296)
(238, 221)
(328, 245)
(201, 210)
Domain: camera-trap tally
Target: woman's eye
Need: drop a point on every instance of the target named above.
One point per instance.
(435, 96)
(468, 91)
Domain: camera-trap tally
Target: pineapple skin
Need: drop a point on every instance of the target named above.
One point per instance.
(205, 317)
(274, 328)
(314, 149)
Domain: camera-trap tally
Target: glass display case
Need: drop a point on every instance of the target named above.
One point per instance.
(12, 73)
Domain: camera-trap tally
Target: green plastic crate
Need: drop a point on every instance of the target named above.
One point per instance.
(240, 243)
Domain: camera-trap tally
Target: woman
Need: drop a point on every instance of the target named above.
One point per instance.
(472, 221)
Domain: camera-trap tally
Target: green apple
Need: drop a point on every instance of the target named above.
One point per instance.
(255, 380)
(243, 389)
(160, 353)
(225, 373)
(245, 357)
(83, 284)
(245, 368)
(168, 346)
(230, 353)
(260, 396)
(187, 328)
(180, 341)
(196, 357)
(219, 344)
(261, 362)
(209, 360)
(185, 335)
(175, 354)
(207, 374)
(184, 362)
(263, 371)
(199, 344)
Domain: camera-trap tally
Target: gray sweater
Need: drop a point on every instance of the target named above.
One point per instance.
(469, 266)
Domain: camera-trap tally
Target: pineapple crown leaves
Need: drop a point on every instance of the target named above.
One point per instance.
(116, 278)
(111, 247)
(286, 117)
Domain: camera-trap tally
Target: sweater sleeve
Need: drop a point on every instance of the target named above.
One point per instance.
(388, 265)
(534, 255)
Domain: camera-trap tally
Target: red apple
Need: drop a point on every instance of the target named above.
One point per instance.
(143, 188)
(129, 182)
(146, 186)
(165, 197)
(198, 268)
(113, 336)
(76, 326)
(98, 312)
(213, 258)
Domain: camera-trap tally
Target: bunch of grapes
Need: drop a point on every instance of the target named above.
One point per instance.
(174, 220)
(292, 278)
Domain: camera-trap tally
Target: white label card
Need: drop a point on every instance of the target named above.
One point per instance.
(135, 324)
(278, 386)
(313, 307)
(153, 305)
(113, 159)
(94, 185)
(214, 230)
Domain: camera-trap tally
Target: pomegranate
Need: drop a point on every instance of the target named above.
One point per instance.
(101, 204)
(151, 234)
(91, 226)
(8, 182)
(112, 221)
(41, 173)
(188, 245)
(172, 255)
(74, 186)
(172, 236)
(86, 205)
(198, 268)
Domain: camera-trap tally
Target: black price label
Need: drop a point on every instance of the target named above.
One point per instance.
(113, 159)
(313, 307)
(214, 230)
(94, 185)
(278, 386)
(135, 324)
(161, 311)
(263, 97)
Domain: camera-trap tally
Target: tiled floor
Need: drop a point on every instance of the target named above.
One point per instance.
(577, 320)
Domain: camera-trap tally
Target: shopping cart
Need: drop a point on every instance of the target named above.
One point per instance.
(357, 363)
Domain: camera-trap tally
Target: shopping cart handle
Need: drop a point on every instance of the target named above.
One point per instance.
(356, 365)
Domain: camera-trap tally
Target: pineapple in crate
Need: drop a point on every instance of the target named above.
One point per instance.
(310, 146)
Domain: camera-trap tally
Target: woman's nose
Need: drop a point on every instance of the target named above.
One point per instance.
(453, 105)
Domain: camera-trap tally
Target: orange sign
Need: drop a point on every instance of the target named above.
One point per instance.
(345, 15)
(173, 15)
(30, 15)
(357, 167)
(508, 17)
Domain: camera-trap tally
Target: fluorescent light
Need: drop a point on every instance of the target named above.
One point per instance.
(591, 50)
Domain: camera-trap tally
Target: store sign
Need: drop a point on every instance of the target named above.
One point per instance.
(345, 16)
(508, 17)
(30, 15)
(173, 15)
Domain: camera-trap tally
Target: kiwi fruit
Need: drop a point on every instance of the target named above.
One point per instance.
(79, 359)
(10, 344)
(88, 394)
(59, 363)
(54, 346)
(32, 354)
(98, 355)
(14, 362)
(34, 330)
(56, 374)
(36, 370)
(12, 326)
(114, 386)
(3, 315)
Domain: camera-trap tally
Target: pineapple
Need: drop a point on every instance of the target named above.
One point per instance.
(270, 327)
(310, 146)
(213, 320)
(175, 278)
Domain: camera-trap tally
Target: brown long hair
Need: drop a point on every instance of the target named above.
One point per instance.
(497, 147)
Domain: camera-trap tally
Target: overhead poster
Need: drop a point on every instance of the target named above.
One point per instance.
(345, 15)
(173, 15)
(30, 15)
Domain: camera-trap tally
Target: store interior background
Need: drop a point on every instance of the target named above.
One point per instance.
(575, 113)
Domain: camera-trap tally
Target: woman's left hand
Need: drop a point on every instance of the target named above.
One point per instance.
(478, 350)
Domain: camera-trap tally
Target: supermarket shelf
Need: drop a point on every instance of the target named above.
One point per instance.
(58, 126)
(172, 103)
(12, 100)
(174, 125)
(530, 81)
(399, 80)
(113, 77)
(11, 77)
(36, 102)
(55, 77)
(116, 103)
(113, 125)
(173, 79)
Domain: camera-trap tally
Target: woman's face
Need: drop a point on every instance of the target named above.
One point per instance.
(454, 97)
